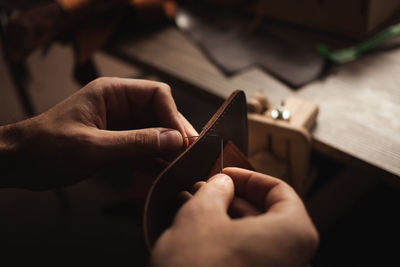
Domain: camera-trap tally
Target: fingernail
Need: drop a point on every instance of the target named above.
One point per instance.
(171, 140)
(220, 177)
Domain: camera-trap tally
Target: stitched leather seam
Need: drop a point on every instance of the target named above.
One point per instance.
(202, 139)
(217, 122)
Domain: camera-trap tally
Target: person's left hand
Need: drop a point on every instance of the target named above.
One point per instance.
(110, 119)
(271, 226)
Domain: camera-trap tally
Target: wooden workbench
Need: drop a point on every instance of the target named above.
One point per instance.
(359, 102)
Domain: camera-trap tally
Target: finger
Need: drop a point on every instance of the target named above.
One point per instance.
(183, 197)
(212, 199)
(189, 129)
(265, 192)
(197, 186)
(166, 111)
(238, 208)
(143, 94)
(143, 142)
(241, 208)
(284, 208)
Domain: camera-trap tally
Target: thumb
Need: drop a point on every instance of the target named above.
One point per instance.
(213, 198)
(142, 142)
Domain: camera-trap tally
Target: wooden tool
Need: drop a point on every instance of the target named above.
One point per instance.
(280, 140)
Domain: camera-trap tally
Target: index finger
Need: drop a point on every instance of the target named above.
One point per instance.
(263, 191)
(157, 95)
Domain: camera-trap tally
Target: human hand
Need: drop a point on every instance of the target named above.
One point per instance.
(108, 120)
(274, 228)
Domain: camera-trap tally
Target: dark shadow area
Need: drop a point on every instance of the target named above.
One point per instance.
(95, 223)
(367, 235)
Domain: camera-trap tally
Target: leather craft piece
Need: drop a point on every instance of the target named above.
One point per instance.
(232, 157)
(196, 163)
(228, 39)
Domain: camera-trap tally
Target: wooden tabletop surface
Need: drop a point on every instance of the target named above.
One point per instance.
(359, 102)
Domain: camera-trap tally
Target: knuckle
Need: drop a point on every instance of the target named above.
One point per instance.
(187, 211)
(146, 138)
(286, 190)
(101, 82)
(96, 85)
(307, 239)
(83, 139)
(164, 87)
(85, 142)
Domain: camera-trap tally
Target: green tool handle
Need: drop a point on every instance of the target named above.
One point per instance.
(348, 54)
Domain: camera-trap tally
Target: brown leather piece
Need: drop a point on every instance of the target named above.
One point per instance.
(283, 51)
(232, 157)
(195, 164)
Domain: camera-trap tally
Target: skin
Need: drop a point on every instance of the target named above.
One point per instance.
(272, 227)
(110, 119)
(237, 218)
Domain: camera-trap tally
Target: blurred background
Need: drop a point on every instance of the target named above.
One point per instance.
(50, 49)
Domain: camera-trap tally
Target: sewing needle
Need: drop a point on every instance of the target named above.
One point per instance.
(222, 154)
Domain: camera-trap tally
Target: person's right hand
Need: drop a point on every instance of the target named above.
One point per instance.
(274, 228)
(109, 120)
